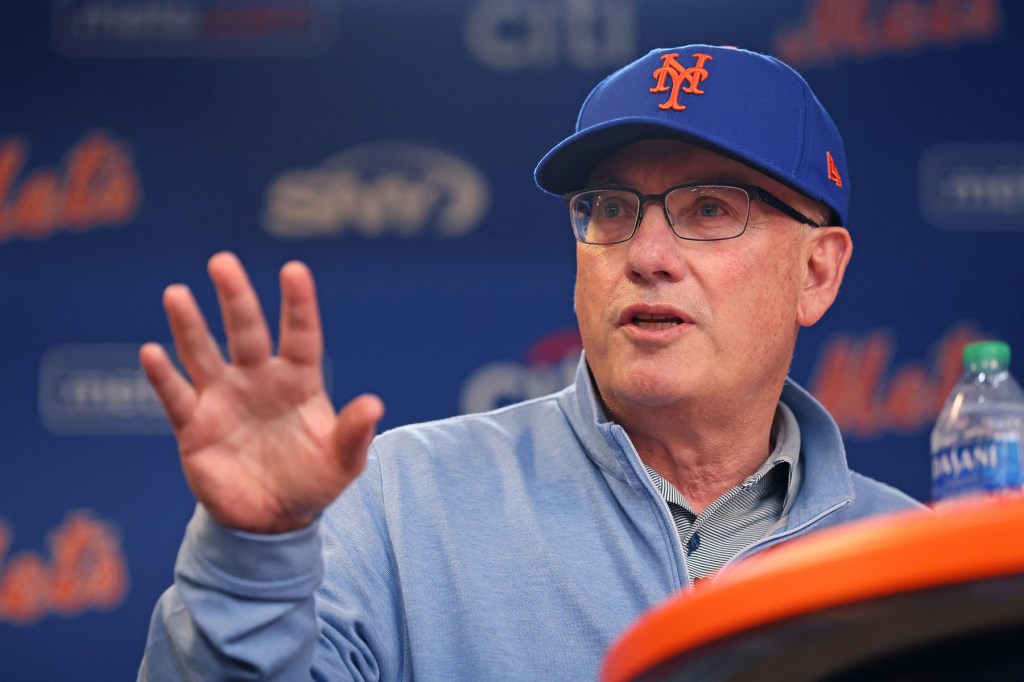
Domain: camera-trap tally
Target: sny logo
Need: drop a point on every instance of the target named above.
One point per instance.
(692, 77)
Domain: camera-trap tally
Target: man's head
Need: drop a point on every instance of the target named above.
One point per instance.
(741, 104)
(704, 308)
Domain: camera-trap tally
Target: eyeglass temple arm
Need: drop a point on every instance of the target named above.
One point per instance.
(776, 203)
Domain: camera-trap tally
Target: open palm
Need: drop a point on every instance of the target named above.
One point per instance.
(260, 444)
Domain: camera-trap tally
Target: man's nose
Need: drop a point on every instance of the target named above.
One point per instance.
(655, 252)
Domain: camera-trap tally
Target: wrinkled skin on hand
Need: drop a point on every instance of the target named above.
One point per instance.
(260, 443)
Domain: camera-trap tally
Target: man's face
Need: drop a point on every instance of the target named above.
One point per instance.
(669, 322)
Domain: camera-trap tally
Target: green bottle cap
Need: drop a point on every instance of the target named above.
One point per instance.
(989, 352)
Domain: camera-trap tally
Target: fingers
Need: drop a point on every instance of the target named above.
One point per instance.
(196, 347)
(354, 430)
(175, 393)
(301, 333)
(246, 328)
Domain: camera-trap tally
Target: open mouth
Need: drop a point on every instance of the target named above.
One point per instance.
(655, 321)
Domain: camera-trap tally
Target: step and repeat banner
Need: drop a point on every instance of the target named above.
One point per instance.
(390, 144)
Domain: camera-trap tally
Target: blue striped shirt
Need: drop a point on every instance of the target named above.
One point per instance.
(744, 514)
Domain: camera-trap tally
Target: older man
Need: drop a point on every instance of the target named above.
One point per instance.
(707, 190)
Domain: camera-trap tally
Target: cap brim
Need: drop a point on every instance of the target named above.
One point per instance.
(567, 167)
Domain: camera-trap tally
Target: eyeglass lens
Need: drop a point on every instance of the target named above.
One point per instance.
(706, 212)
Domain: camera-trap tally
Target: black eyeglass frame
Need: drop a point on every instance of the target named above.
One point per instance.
(753, 192)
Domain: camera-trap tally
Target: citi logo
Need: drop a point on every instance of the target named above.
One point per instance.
(550, 366)
(514, 35)
(380, 189)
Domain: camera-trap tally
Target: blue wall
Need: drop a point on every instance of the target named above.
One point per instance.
(390, 144)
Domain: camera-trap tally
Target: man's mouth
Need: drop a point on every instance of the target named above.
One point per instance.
(655, 321)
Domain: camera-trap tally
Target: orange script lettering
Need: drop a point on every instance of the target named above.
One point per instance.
(86, 570)
(98, 185)
(832, 30)
(853, 382)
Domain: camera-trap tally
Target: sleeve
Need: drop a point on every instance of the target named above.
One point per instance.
(241, 607)
(246, 606)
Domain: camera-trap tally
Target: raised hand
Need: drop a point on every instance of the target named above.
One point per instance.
(260, 443)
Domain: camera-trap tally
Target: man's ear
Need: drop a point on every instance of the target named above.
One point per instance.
(826, 254)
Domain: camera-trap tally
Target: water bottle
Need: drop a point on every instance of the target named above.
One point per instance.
(976, 443)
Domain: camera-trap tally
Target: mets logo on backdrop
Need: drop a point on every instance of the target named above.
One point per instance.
(685, 79)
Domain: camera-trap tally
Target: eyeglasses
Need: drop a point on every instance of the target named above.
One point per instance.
(702, 213)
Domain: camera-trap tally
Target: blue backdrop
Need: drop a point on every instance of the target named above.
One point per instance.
(390, 144)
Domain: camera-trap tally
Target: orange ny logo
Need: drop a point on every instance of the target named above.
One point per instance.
(691, 77)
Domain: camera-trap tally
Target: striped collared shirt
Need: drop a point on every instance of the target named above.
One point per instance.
(745, 513)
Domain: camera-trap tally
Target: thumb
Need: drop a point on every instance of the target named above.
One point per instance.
(354, 431)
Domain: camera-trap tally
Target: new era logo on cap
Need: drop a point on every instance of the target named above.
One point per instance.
(833, 172)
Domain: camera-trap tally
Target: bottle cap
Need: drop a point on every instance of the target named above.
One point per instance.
(982, 353)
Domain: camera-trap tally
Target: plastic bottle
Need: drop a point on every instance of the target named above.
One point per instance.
(979, 436)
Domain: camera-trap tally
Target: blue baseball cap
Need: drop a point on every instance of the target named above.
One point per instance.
(744, 105)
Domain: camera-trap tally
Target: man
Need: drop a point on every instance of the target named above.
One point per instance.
(707, 190)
